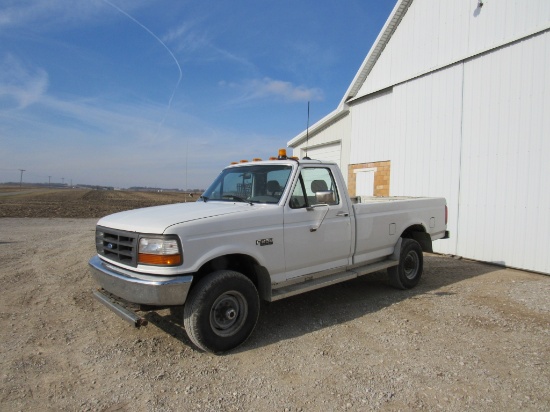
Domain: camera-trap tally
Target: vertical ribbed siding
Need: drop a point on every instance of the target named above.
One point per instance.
(328, 152)
(464, 114)
(477, 133)
(426, 158)
(434, 34)
(416, 126)
(335, 138)
(372, 129)
(504, 200)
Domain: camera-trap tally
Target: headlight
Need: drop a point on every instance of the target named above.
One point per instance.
(159, 251)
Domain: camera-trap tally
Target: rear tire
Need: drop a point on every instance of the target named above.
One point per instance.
(221, 311)
(407, 274)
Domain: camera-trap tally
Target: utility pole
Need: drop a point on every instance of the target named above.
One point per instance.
(186, 160)
(49, 181)
(62, 181)
(21, 180)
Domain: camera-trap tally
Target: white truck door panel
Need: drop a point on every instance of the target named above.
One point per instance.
(317, 238)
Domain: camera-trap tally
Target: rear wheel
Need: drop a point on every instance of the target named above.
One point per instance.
(407, 274)
(221, 311)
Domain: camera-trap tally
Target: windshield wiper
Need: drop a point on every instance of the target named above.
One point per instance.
(204, 198)
(238, 198)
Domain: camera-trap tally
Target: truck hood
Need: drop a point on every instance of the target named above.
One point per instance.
(157, 219)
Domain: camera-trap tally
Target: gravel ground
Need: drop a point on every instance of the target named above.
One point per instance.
(470, 336)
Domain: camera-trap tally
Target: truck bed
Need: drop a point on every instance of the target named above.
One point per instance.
(380, 221)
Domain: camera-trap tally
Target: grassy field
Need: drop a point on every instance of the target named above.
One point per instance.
(79, 203)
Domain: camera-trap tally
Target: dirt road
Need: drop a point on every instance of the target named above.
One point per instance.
(470, 337)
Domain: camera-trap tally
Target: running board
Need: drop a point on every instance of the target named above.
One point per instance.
(321, 282)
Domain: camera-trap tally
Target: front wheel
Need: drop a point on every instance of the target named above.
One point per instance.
(407, 274)
(221, 311)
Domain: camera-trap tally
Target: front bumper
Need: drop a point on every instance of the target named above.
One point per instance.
(138, 288)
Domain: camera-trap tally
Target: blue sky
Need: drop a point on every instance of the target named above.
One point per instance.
(166, 93)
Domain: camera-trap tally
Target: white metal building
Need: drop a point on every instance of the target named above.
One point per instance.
(453, 100)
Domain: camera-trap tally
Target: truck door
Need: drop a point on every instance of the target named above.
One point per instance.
(317, 237)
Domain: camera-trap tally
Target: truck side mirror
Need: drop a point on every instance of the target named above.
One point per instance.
(325, 197)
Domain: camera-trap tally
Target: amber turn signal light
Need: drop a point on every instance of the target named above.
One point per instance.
(167, 260)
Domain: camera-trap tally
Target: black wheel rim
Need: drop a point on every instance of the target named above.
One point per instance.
(228, 313)
(410, 265)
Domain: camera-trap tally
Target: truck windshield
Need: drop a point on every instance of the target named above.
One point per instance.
(251, 184)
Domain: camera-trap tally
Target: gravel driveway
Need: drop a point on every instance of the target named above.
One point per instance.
(470, 336)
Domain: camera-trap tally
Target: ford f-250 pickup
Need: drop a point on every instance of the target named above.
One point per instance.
(263, 230)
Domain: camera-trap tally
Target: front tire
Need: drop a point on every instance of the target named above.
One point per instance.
(221, 311)
(407, 274)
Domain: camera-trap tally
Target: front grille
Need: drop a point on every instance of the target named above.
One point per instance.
(117, 245)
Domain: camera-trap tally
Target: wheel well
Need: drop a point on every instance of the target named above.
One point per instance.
(418, 233)
(244, 264)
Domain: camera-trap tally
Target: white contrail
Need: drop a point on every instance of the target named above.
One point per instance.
(163, 45)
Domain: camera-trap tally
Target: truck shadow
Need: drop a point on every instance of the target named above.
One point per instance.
(312, 311)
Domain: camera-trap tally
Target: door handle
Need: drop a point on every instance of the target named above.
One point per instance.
(345, 214)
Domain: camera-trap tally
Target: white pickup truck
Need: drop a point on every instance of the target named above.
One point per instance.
(263, 230)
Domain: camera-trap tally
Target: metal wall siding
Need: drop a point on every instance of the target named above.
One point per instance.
(428, 133)
(330, 152)
(462, 110)
(430, 35)
(434, 34)
(504, 21)
(452, 41)
(427, 164)
(504, 198)
(427, 154)
(417, 127)
(476, 131)
(371, 130)
(336, 132)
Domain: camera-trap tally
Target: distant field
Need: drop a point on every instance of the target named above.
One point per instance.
(79, 203)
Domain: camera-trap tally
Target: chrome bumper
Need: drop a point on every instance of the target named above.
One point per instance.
(138, 288)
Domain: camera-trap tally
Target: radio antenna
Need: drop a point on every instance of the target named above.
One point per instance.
(307, 131)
